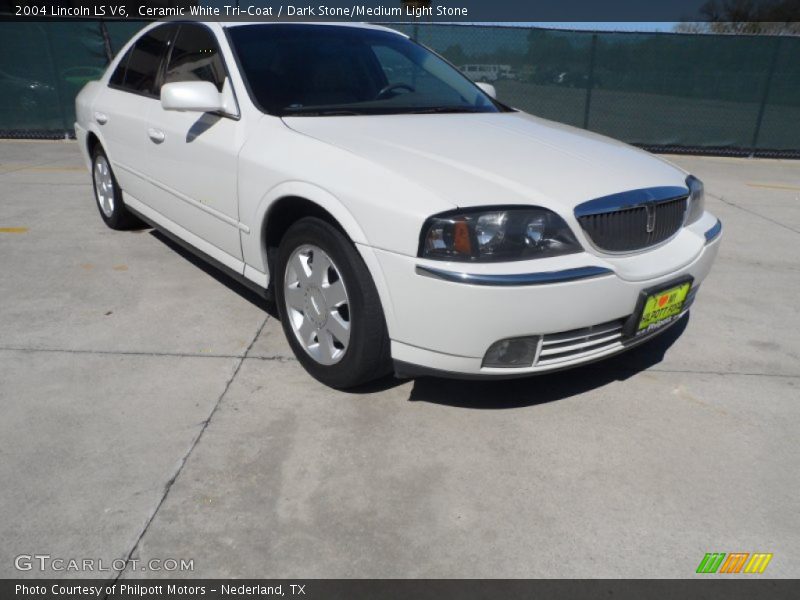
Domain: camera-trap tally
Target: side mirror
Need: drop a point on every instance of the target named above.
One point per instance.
(488, 88)
(194, 96)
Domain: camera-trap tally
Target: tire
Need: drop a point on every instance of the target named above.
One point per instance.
(108, 195)
(331, 316)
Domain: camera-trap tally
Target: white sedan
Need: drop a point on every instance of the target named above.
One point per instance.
(400, 216)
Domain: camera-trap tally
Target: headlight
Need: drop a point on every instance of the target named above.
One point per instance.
(491, 235)
(697, 199)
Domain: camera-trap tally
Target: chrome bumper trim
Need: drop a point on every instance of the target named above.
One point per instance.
(515, 279)
(714, 231)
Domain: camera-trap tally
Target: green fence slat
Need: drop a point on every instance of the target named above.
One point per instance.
(660, 90)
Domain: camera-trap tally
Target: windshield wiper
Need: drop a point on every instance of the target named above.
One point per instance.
(444, 109)
(332, 112)
(318, 112)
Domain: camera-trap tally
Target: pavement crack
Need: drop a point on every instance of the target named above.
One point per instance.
(291, 359)
(272, 358)
(123, 352)
(752, 212)
(192, 446)
(634, 370)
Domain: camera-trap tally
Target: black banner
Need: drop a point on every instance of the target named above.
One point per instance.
(746, 587)
(413, 10)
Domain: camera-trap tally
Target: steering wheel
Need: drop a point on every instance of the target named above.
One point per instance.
(395, 86)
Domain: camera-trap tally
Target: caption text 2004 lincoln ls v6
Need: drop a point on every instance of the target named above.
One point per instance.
(398, 213)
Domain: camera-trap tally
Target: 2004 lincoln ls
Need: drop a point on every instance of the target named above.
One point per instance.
(398, 213)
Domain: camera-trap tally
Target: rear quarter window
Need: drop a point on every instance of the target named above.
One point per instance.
(138, 70)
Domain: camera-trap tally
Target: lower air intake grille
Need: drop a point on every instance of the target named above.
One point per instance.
(626, 230)
(569, 345)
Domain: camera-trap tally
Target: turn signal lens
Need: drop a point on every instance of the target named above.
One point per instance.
(461, 241)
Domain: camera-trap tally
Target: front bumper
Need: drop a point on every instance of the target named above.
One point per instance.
(441, 323)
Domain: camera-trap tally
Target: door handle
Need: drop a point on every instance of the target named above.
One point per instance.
(156, 135)
(101, 118)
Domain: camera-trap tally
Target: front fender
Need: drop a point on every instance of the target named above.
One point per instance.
(254, 243)
(255, 250)
(84, 120)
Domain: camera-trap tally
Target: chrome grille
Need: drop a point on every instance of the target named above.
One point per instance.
(583, 343)
(626, 230)
(578, 343)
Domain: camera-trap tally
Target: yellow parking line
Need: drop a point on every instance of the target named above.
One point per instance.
(13, 230)
(54, 169)
(41, 169)
(793, 188)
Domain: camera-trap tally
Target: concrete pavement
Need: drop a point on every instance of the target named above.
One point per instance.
(152, 409)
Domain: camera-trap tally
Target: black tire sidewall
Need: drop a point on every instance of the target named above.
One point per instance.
(120, 217)
(367, 356)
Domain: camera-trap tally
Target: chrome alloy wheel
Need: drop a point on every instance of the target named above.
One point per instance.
(104, 186)
(317, 305)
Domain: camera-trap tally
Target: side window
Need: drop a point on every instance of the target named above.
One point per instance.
(118, 76)
(138, 70)
(195, 57)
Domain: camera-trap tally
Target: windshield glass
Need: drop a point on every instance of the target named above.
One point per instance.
(313, 70)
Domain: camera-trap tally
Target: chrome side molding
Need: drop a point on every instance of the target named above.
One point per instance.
(518, 279)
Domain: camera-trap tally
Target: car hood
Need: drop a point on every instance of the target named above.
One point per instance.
(494, 158)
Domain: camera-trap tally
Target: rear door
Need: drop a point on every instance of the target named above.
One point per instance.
(121, 109)
(192, 156)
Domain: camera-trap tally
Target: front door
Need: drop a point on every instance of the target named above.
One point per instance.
(121, 108)
(192, 157)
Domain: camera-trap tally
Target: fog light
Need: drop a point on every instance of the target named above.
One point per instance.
(512, 352)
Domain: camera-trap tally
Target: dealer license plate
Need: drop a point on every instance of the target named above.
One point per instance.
(661, 308)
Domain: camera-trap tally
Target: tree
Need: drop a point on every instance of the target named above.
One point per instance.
(456, 55)
(761, 17)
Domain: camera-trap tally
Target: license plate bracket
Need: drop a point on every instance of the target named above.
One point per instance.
(656, 308)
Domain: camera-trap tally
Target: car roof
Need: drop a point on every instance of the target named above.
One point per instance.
(335, 24)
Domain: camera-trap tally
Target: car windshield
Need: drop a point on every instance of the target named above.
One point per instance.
(319, 70)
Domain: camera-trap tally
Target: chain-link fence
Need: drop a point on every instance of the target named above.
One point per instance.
(43, 65)
(675, 92)
(709, 93)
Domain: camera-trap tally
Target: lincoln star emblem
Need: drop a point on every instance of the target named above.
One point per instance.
(651, 218)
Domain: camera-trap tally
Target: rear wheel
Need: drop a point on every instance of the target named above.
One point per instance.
(329, 307)
(108, 194)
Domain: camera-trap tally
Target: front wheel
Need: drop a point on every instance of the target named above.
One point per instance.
(329, 306)
(108, 194)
